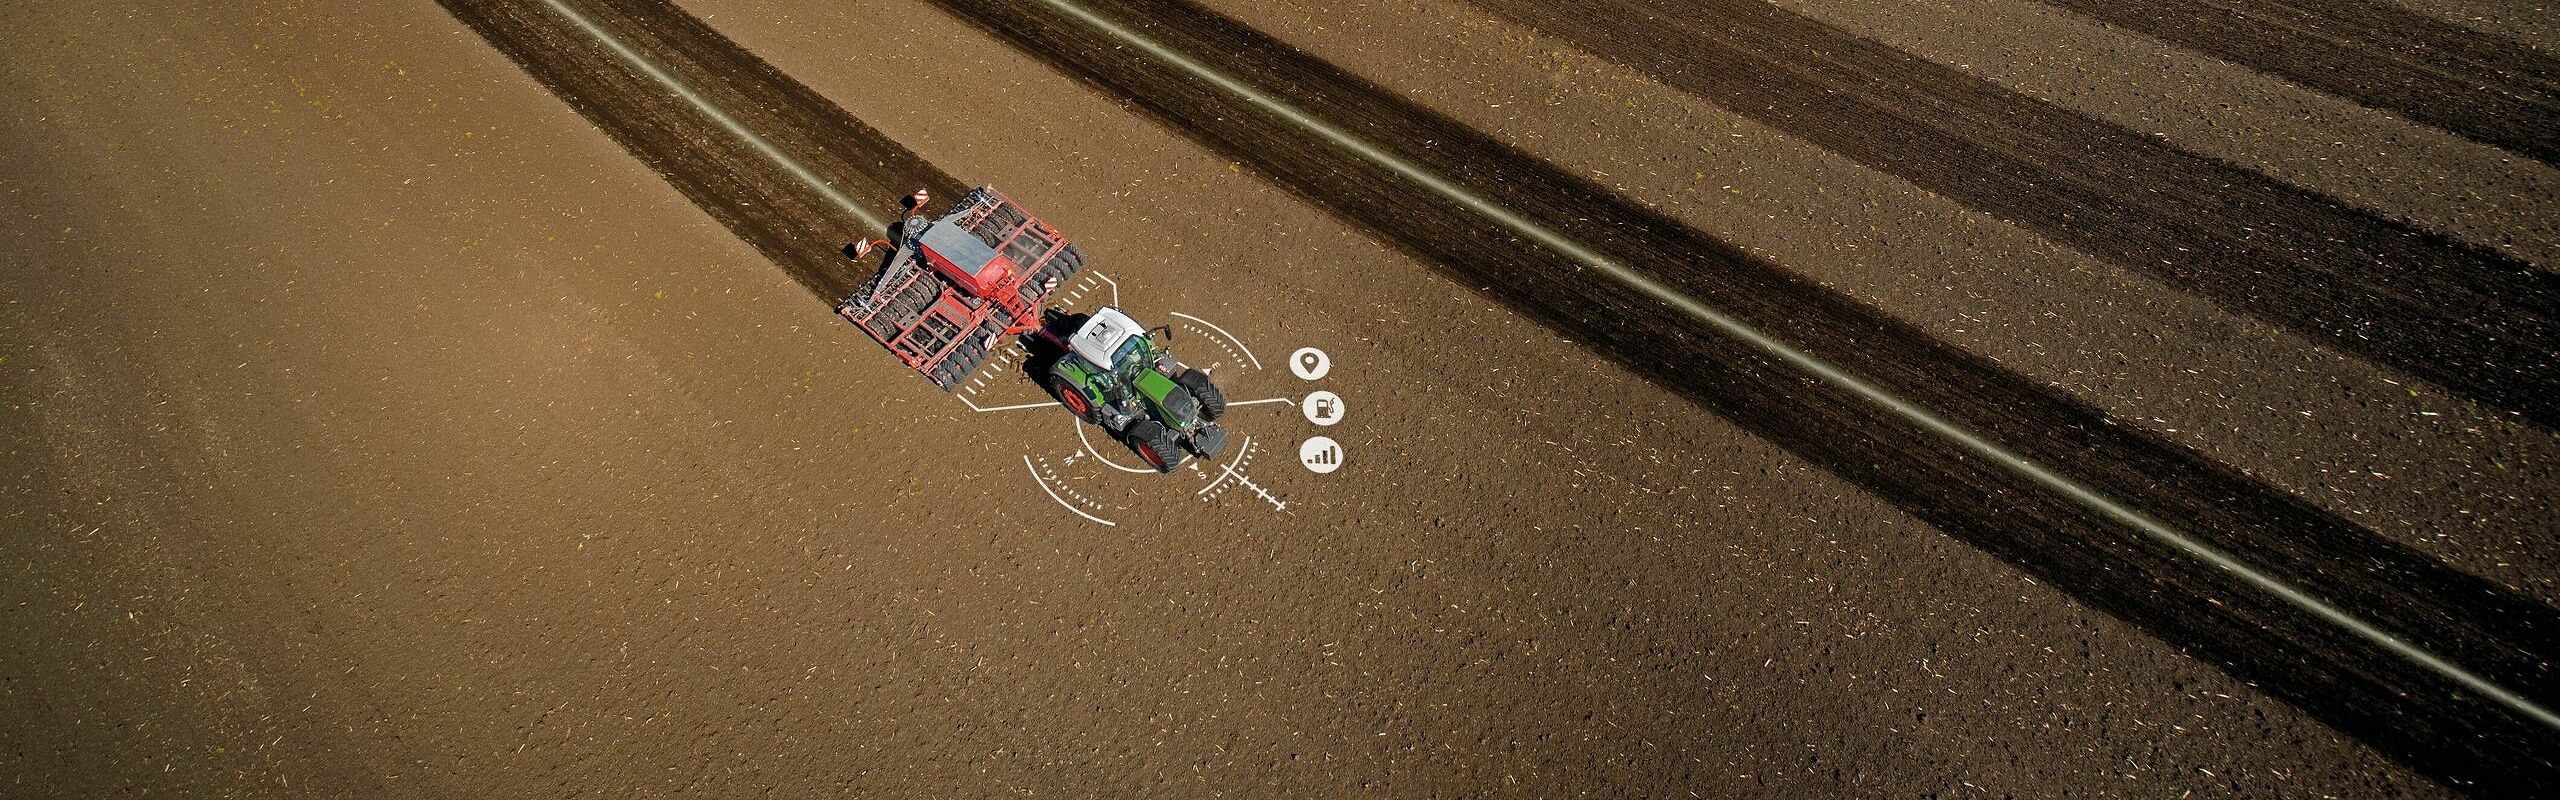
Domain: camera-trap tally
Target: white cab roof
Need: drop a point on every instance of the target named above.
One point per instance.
(1103, 334)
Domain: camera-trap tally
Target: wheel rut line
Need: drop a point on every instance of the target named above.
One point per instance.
(2361, 684)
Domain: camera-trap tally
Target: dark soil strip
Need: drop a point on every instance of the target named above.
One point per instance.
(2373, 695)
(2496, 92)
(790, 223)
(2480, 324)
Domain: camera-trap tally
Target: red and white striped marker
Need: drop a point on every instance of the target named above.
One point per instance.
(916, 201)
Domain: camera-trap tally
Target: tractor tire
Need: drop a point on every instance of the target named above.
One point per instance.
(1213, 403)
(1073, 399)
(1155, 445)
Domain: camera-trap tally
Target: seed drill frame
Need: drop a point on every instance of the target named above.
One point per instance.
(957, 285)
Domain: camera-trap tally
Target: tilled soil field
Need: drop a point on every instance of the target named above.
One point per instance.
(429, 400)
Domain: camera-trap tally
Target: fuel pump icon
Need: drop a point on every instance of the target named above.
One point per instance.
(1323, 408)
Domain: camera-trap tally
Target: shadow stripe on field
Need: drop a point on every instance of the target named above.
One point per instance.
(2478, 323)
(2487, 89)
(2404, 710)
(791, 223)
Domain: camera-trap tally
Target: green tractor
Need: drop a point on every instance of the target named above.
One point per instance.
(1108, 370)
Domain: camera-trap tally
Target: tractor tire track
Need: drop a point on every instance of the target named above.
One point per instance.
(2498, 93)
(2480, 324)
(794, 225)
(2353, 685)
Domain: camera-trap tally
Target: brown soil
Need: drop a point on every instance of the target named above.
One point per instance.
(380, 426)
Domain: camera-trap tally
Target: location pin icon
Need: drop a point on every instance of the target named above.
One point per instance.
(1309, 363)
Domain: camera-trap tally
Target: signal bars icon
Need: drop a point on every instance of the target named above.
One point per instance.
(1322, 455)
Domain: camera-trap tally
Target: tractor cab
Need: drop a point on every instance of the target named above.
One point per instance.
(1113, 341)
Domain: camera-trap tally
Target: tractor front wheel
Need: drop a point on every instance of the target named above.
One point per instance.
(1156, 445)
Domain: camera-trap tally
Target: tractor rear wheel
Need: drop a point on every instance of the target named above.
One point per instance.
(1155, 445)
(1213, 403)
(1073, 399)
